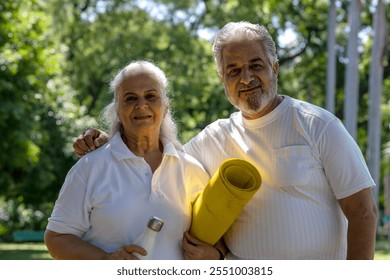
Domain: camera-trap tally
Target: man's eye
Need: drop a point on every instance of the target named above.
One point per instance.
(233, 71)
(256, 66)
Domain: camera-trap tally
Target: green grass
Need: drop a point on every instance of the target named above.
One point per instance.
(382, 250)
(24, 251)
(38, 251)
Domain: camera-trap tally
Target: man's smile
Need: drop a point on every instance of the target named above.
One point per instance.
(249, 90)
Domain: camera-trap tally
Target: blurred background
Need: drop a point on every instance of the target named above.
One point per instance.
(57, 58)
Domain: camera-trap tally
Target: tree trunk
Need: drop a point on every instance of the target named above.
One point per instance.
(375, 87)
(351, 87)
(331, 59)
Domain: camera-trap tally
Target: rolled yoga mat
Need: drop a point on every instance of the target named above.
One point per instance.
(222, 200)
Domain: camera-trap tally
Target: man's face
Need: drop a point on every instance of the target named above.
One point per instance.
(250, 80)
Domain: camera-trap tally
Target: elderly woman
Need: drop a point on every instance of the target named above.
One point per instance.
(109, 194)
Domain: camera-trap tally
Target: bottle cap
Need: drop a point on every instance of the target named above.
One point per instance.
(155, 223)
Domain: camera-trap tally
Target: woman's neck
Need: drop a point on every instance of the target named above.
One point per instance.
(147, 146)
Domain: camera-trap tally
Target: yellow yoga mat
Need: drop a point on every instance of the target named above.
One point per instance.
(222, 200)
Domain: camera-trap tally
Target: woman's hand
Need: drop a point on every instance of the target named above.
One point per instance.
(194, 249)
(126, 253)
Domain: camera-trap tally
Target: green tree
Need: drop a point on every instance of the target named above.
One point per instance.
(101, 41)
(36, 114)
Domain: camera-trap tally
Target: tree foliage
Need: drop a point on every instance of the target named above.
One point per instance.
(57, 58)
(36, 109)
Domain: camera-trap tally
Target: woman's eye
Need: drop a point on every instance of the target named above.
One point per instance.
(151, 96)
(130, 98)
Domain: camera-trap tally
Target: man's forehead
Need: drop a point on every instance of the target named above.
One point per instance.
(245, 58)
(232, 63)
(245, 51)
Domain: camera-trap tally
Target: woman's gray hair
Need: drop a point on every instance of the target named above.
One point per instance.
(168, 128)
(237, 31)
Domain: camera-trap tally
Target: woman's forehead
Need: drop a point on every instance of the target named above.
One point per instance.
(141, 81)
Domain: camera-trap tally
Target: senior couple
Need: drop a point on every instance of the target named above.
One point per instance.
(316, 197)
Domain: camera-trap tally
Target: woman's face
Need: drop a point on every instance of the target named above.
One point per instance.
(140, 105)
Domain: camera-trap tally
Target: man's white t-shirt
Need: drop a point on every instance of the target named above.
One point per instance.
(307, 161)
(109, 195)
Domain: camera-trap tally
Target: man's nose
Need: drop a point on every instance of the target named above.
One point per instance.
(246, 76)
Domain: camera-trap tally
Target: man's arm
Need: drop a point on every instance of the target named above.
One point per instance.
(194, 249)
(91, 139)
(361, 213)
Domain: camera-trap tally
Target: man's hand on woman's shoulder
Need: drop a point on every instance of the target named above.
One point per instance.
(88, 141)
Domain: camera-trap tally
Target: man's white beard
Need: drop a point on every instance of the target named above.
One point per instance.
(255, 103)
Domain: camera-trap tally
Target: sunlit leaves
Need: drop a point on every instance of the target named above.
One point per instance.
(33, 139)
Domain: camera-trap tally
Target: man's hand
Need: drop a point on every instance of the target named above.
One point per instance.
(91, 139)
(195, 249)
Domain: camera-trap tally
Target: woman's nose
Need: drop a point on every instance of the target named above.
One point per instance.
(142, 103)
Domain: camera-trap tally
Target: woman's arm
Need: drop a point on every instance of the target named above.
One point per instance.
(70, 247)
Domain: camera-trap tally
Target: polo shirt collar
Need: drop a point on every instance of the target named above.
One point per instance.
(120, 151)
(169, 148)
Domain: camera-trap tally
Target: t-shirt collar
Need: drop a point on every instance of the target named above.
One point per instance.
(264, 120)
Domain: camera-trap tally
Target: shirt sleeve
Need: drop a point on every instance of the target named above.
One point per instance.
(343, 161)
(192, 148)
(196, 178)
(72, 208)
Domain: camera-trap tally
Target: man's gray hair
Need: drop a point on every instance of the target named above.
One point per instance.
(168, 128)
(238, 31)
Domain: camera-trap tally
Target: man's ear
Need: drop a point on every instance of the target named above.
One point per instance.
(275, 68)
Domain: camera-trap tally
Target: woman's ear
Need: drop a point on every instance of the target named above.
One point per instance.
(166, 108)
